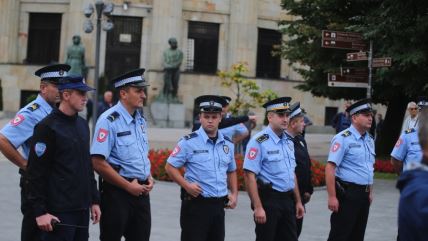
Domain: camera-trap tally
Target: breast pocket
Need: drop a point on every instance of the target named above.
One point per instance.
(225, 160)
(274, 164)
(201, 161)
(127, 147)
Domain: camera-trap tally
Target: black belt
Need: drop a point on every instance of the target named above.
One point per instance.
(270, 192)
(354, 186)
(187, 197)
(141, 182)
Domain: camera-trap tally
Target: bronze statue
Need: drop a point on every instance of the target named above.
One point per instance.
(172, 59)
(76, 57)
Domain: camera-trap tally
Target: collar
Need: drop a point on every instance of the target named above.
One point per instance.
(59, 113)
(201, 132)
(357, 134)
(123, 112)
(289, 134)
(273, 135)
(43, 103)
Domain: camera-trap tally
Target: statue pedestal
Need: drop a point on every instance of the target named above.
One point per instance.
(168, 115)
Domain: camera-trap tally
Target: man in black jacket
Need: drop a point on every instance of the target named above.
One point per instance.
(303, 161)
(61, 183)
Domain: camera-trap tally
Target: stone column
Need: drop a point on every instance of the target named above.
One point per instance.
(243, 33)
(167, 22)
(9, 17)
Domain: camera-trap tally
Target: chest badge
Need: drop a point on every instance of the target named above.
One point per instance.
(226, 149)
(40, 148)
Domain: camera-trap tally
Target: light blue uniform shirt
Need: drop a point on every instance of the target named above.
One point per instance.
(122, 140)
(231, 131)
(206, 163)
(354, 156)
(19, 130)
(272, 159)
(407, 148)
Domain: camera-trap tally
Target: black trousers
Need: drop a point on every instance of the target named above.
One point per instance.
(299, 225)
(68, 233)
(280, 212)
(124, 215)
(29, 229)
(202, 219)
(349, 223)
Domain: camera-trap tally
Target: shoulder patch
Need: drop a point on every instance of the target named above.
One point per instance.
(113, 116)
(262, 138)
(227, 138)
(190, 136)
(408, 131)
(346, 133)
(33, 107)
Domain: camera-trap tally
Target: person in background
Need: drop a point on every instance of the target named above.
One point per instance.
(342, 120)
(106, 103)
(411, 120)
(379, 125)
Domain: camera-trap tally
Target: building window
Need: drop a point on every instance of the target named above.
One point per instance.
(268, 66)
(43, 38)
(202, 47)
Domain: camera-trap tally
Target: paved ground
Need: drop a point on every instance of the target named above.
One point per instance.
(239, 225)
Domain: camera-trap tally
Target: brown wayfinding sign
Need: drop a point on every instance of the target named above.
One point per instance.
(343, 40)
(351, 81)
(358, 56)
(381, 62)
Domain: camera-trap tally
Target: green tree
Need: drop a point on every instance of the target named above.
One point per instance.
(247, 91)
(398, 29)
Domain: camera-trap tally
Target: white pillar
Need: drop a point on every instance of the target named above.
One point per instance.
(9, 17)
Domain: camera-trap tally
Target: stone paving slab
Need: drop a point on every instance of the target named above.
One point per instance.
(239, 225)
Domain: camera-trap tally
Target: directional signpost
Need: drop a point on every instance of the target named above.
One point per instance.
(343, 40)
(358, 56)
(381, 62)
(353, 81)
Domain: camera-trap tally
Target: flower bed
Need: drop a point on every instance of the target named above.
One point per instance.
(158, 160)
(384, 166)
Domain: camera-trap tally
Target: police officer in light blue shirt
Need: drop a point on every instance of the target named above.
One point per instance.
(407, 149)
(349, 175)
(17, 133)
(269, 167)
(120, 155)
(210, 168)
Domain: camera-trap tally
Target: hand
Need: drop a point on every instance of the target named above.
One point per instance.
(193, 189)
(306, 197)
(252, 117)
(233, 200)
(147, 188)
(370, 197)
(44, 222)
(95, 213)
(134, 188)
(333, 204)
(259, 215)
(300, 210)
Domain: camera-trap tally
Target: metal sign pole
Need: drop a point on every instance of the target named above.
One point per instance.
(370, 60)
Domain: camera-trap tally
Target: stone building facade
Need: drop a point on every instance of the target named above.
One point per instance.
(213, 35)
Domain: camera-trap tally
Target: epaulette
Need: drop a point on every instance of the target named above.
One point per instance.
(262, 138)
(408, 131)
(346, 133)
(227, 139)
(113, 116)
(190, 136)
(33, 107)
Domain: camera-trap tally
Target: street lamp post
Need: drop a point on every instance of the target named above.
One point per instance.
(102, 9)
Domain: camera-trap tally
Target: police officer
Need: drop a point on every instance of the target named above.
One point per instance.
(18, 131)
(412, 211)
(303, 168)
(61, 182)
(210, 168)
(269, 167)
(349, 175)
(237, 132)
(120, 155)
(407, 149)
